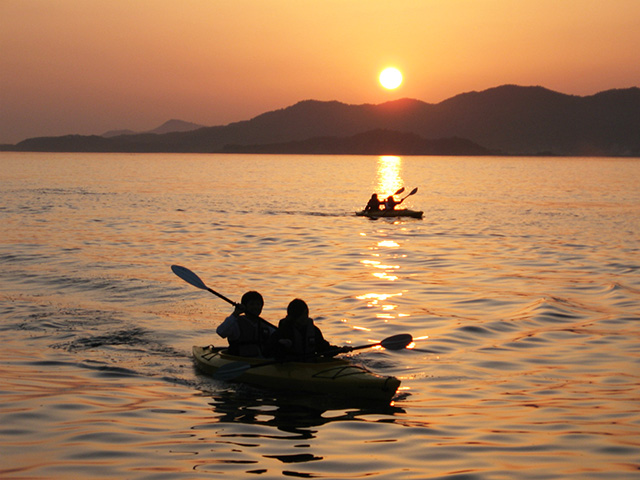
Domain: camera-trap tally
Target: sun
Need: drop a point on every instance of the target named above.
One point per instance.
(390, 78)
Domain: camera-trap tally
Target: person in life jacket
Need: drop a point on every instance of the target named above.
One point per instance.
(247, 334)
(390, 203)
(298, 338)
(373, 205)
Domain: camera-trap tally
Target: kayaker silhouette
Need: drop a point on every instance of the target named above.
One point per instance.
(298, 338)
(247, 335)
(374, 204)
(390, 203)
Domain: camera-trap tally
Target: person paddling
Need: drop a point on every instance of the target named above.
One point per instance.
(247, 335)
(298, 338)
(374, 204)
(390, 203)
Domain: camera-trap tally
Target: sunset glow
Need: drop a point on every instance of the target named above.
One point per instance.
(88, 67)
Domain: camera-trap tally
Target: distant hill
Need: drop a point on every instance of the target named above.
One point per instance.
(510, 119)
(176, 126)
(374, 142)
(167, 127)
(115, 133)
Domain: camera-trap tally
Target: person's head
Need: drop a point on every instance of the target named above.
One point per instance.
(252, 302)
(374, 196)
(298, 310)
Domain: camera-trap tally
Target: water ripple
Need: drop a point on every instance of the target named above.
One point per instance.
(520, 287)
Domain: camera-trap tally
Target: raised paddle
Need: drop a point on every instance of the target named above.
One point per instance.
(233, 370)
(412, 192)
(193, 279)
(397, 192)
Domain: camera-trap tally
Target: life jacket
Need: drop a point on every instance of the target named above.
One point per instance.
(253, 337)
(390, 203)
(304, 340)
(373, 205)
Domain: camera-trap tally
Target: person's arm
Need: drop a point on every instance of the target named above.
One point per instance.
(229, 329)
(321, 344)
(324, 347)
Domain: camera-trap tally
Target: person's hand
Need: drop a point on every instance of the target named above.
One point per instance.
(346, 349)
(240, 309)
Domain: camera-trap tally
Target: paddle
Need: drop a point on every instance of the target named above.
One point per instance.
(412, 192)
(377, 208)
(235, 369)
(193, 279)
(395, 342)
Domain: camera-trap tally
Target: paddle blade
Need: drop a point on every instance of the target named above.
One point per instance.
(409, 194)
(188, 276)
(398, 192)
(397, 342)
(231, 371)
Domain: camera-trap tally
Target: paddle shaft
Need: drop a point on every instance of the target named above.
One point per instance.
(403, 198)
(234, 370)
(409, 194)
(193, 279)
(395, 342)
(228, 300)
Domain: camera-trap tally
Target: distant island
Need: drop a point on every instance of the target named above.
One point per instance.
(373, 142)
(167, 127)
(506, 120)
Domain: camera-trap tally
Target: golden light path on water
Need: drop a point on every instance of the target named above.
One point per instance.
(389, 178)
(522, 274)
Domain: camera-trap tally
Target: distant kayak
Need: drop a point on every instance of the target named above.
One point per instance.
(333, 376)
(401, 212)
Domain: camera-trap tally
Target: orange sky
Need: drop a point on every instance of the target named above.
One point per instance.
(88, 66)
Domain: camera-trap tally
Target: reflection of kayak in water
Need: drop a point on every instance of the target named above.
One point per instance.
(401, 212)
(332, 376)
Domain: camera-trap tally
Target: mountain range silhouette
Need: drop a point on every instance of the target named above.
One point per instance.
(506, 120)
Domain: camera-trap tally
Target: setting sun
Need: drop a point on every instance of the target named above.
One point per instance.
(390, 78)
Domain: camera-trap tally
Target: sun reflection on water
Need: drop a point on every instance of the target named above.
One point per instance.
(385, 274)
(364, 329)
(389, 179)
(374, 298)
(413, 344)
(378, 300)
(388, 243)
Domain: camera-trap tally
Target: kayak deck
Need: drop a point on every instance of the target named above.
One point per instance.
(403, 212)
(327, 375)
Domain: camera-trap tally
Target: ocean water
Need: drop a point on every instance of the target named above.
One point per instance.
(521, 286)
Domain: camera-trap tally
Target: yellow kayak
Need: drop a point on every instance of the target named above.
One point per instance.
(331, 376)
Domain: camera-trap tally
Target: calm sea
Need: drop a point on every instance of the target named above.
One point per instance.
(521, 284)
